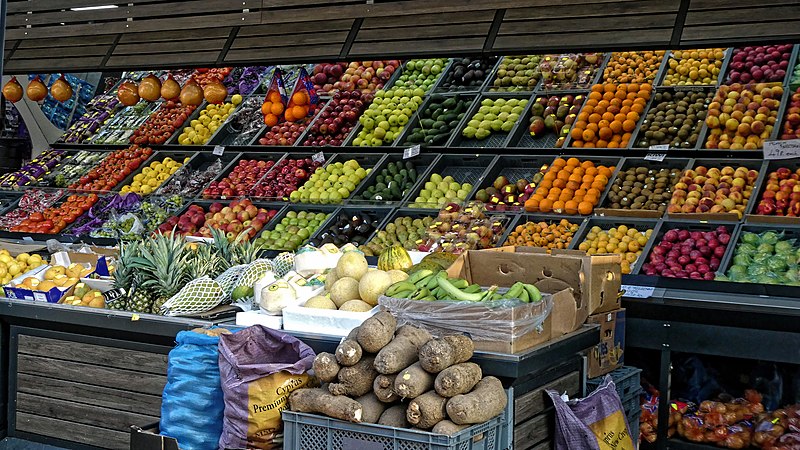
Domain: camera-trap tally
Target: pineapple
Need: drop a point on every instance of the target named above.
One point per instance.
(141, 300)
(124, 275)
(205, 260)
(164, 270)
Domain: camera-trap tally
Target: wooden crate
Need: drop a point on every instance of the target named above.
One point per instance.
(534, 414)
(79, 392)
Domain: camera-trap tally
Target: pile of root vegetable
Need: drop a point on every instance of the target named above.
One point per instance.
(402, 377)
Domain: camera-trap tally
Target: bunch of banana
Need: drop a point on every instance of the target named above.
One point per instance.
(429, 286)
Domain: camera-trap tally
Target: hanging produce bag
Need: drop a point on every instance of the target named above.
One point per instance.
(259, 368)
(303, 101)
(596, 422)
(192, 407)
(275, 100)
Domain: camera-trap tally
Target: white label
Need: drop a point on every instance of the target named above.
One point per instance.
(27, 238)
(637, 291)
(660, 147)
(782, 149)
(40, 296)
(318, 157)
(411, 152)
(655, 157)
(218, 150)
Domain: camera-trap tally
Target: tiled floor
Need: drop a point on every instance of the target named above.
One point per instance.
(16, 444)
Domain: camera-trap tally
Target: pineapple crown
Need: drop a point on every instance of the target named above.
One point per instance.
(163, 264)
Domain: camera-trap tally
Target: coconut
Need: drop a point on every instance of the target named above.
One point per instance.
(320, 302)
(344, 289)
(372, 285)
(353, 265)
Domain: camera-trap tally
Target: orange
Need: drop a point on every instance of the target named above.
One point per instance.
(588, 144)
(594, 118)
(577, 143)
(576, 133)
(603, 124)
(591, 170)
(608, 96)
(637, 108)
(601, 143)
(299, 112)
(597, 88)
(607, 116)
(274, 97)
(595, 95)
(549, 176)
(593, 127)
(634, 116)
(563, 175)
(266, 108)
(559, 162)
(585, 208)
(560, 183)
(271, 120)
(616, 126)
(532, 204)
(605, 133)
(595, 192)
(571, 207)
(598, 184)
(300, 98)
(609, 87)
(289, 115)
(588, 178)
(613, 144)
(566, 195)
(633, 87)
(573, 162)
(583, 116)
(629, 125)
(545, 205)
(558, 206)
(575, 177)
(572, 185)
(277, 109)
(605, 171)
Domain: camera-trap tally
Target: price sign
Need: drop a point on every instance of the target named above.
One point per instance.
(637, 291)
(660, 147)
(218, 150)
(655, 157)
(411, 152)
(27, 238)
(782, 149)
(40, 296)
(318, 157)
(134, 317)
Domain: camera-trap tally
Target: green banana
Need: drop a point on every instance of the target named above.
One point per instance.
(490, 294)
(524, 297)
(400, 286)
(432, 283)
(416, 276)
(472, 289)
(422, 293)
(454, 293)
(533, 293)
(437, 291)
(515, 291)
(429, 298)
(403, 294)
(459, 282)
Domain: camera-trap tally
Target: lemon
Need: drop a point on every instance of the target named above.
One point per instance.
(199, 127)
(198, 139)
(236, 99)
(173, 170)
(14, 269)
(125, 189)
(147, 190)
(147, 170)
(186, 160)
(138, 177)
(163, 176)
(205, 120)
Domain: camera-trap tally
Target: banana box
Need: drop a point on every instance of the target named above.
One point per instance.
(43, 284)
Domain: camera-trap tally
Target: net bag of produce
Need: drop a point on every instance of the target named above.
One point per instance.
(259, 368)
(197, 296)
(228, 279)
(596, 422)
(192, 406)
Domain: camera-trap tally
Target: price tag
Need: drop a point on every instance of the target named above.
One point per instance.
(134, 317)
(637, 291)
(218, 150)
(27, 238)
(40, 296)
(655, 157)
(318, 157)
(411, 152)
(660, 147)
(782, 149)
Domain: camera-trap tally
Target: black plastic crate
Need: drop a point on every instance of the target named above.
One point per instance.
(752, 164)
(206, 204)
(366, 161)
(231, 134)
(726, 59)
(491, 62)
(522, 219)
(771, 166)
(404, 212)
(158, 156)
(489, 87)
(658, 235)
(514, 168)
(297, 209)
(626, 380)
(414, 124)
(521, 136)
(421, 163)
(287, 156)
(375, 215)
(681, 164)
(606, 223)
(463, 168)
(497, 138)
(173, 140)
(275, 157)
(200, 162)
(591, 79)
(700, 124)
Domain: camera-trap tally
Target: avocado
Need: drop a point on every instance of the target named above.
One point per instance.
(427, 123)
(449, 103)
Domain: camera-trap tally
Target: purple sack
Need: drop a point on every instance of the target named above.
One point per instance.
(596, 422)
(259, 368)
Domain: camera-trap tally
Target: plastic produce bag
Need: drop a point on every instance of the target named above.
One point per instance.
(481, 321)
(596, 422)
(259, 368)
(192, 407)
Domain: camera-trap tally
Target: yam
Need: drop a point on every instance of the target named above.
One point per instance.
(413, 382)
(457, 379)
(487, 400)
(448, 428)
(318, 401)
(403, 350)
(384, 388)
(376, 332)
(372, 408)
(325, 367)
(439, 354)
(394, 417)
(355, 381)
(427, 410)
(349, 352)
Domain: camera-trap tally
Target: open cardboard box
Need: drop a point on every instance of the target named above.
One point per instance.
(595, 280)
(16, 249)
(52, 296)
(609, 354)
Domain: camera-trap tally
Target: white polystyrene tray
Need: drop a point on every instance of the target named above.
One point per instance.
(324, 321)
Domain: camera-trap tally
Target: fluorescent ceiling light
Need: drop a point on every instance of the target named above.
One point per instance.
(87, 8)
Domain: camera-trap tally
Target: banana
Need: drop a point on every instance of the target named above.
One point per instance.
(403, 294)
(416, 276)
(533, 293)
(432, 283)
(472, 289)
(459, 282)
(429, 298)
(422, 293)
(515, 291)
(524, 297)
(453, 293)
(400, 286)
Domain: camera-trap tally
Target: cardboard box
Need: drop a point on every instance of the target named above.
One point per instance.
(52, 296)
(148, 438)
(97, 261)
(609, 354)
(594, 280)
(16, 249)
(442, 318)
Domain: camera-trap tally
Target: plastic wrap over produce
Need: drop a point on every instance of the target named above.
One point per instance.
(481, 321)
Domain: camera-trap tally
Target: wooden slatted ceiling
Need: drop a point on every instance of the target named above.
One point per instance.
(141, 34)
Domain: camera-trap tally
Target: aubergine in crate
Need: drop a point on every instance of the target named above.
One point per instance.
(354, 225)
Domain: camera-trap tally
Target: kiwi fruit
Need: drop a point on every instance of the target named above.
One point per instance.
(643, 188)
(675, 119)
